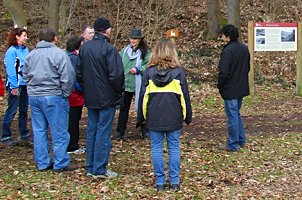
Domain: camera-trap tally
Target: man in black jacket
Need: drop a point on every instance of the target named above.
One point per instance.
(233, 84)
(100, 72)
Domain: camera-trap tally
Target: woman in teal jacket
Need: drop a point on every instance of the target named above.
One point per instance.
(14, 59)
(135, 58)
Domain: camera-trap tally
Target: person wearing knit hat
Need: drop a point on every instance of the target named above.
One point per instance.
(100, 72)
(103, 26)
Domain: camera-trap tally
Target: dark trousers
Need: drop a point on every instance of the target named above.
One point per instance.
(15, 102)
(75, 114)
(124, 113)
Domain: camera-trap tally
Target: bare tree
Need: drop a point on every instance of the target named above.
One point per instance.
(214, 18)
(122, 14)
(17, 12)
(54, 14)
(156, 16)
(150, 15)
(234, 13)
(67, 10)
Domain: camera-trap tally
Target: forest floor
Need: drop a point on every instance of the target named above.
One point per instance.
(268, 167)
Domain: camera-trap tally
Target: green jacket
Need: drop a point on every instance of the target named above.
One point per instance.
(128, 64)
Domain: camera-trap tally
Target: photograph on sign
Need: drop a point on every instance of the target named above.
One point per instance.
(260, 40)
(260, 32)
(288, 35)
(275, 36)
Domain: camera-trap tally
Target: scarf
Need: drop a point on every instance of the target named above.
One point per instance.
(138, 78)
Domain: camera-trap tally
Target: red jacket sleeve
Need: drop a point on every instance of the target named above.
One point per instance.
(1, 87)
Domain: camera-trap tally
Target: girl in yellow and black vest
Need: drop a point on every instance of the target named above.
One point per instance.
(164, 104)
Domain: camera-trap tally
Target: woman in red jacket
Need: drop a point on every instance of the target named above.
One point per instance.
(76, 100)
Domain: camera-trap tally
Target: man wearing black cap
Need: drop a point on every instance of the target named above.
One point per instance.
(101, 74)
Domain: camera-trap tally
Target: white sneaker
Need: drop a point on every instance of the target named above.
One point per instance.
(80, 150)
(108, 174)
(89, 174)
(83, 148)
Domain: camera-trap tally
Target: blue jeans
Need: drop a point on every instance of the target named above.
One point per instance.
(235, 126)
(98, 141)
(173, 143)
(14, 102)
(52, 112)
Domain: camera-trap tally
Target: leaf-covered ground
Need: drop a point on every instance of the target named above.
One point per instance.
(269, 167)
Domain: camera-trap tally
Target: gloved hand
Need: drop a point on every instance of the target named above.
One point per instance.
(138, 124)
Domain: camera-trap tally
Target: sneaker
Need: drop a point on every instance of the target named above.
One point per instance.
(108, 174)
(118, 136)
(71, 167)
(78, 151)
(9, 142)
(89, 174)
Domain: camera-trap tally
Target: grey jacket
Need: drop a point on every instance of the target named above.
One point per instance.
(48, 71)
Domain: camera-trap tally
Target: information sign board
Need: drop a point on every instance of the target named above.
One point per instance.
(272, 36)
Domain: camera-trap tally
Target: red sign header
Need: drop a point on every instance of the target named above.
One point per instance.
(276, 24)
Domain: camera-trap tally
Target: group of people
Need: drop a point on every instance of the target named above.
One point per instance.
(91, 72)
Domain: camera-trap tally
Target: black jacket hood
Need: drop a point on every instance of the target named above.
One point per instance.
(162, 78)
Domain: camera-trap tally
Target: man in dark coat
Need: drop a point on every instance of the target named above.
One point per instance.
(100, 72)
(233, 84)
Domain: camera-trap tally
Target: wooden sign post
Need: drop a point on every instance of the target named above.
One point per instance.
(252, 55)
(299, 62)
(172, 34)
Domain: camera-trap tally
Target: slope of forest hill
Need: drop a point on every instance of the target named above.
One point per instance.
(198, 54)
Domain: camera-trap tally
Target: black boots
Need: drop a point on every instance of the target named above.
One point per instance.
(118, 136)
(175, 187)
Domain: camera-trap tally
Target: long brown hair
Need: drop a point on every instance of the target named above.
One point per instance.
(164, 55)
(143, 46)
(11, 38)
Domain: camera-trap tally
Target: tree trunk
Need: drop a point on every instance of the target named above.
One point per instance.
(54, 14)
(17, 12)
(234, 13)
(214, 17)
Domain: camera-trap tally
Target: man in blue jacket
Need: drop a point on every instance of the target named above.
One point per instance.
(100, 72)
(233, 84)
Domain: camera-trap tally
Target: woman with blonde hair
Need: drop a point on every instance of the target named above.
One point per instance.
(164, 104)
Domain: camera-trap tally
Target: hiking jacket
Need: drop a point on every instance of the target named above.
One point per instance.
(100, 73)
(77, 96)
(14, 60)
(164, 100)
(234, 66)
(48, 71)
(129, 64)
